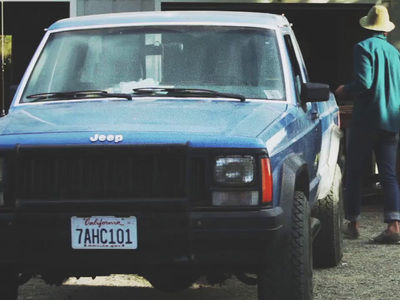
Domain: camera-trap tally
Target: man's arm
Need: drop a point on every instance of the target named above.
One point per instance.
(363, 72)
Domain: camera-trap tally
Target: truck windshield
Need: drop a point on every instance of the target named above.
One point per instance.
(235, 60)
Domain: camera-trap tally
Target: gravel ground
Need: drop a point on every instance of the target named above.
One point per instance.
(367, 271)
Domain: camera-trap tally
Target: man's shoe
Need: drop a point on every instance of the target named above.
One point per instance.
(386, 238)
(351, 233)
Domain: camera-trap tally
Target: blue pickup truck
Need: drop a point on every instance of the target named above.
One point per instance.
(172, 145)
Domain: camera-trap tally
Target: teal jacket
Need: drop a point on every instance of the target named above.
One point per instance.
(376, 85)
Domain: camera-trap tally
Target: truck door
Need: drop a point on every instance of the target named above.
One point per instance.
(307, 127)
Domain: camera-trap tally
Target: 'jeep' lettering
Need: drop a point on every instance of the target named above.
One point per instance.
(109, 138)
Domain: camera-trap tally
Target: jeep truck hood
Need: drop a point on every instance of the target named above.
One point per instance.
(182, 117)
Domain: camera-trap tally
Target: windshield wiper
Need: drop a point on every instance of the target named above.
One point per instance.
(76, 95)
(184, 92)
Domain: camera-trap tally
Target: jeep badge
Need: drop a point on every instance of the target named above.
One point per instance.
(109, 138)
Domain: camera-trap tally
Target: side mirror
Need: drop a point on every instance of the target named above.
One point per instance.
(314, 92)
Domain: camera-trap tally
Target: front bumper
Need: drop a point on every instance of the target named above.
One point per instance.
(38, 242)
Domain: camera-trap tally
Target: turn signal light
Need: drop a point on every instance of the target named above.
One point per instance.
(267, 183)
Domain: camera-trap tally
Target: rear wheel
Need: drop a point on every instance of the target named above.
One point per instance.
(291, 274)
(328, 245)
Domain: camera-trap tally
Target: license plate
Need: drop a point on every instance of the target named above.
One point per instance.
(103, 232)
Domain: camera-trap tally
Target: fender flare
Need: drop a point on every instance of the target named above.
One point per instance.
(294, 177)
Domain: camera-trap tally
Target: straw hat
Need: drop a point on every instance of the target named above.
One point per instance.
(377, 19)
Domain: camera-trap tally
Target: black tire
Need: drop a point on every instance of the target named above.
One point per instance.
(172, 282)
(328, 245)
(301, 258)
(291, 274)
(8, 286)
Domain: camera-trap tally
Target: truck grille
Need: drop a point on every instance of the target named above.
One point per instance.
(105, 172)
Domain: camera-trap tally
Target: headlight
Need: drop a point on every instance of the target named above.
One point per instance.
(234, 170)
(236, 173)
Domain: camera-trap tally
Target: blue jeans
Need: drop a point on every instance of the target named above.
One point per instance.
(361, 144)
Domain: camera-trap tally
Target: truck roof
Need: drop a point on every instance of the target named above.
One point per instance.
(222, 18)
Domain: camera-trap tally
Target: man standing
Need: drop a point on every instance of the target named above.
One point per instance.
(375, 123)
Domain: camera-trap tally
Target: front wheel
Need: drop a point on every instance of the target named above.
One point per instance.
(290, 276)
(302, 263)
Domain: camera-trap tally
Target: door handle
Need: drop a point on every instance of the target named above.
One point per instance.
(314, 115)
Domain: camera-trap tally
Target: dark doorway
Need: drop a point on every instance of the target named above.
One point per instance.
(24, 24)
(326, 32)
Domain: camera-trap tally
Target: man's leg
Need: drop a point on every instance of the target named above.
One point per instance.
(359, 149)
(386, 157)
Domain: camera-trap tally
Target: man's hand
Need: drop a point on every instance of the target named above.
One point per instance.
(340, 91)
